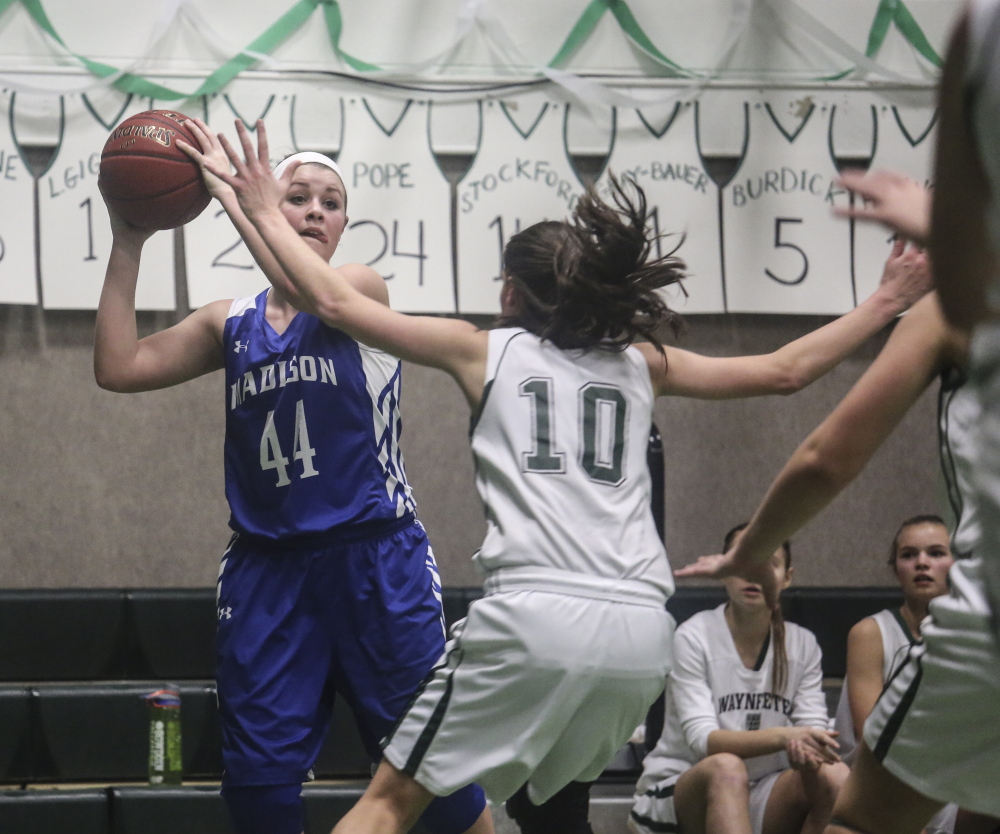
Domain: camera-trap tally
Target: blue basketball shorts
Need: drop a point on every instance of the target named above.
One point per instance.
(361, 619)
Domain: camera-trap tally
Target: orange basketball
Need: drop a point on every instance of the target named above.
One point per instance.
(146, 178)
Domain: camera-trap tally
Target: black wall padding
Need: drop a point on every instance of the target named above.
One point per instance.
(168, 810)
(48, 811)
(15, 735)
(175, 632)
(60, 635)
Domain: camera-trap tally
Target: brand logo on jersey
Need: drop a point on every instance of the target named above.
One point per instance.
(753, 721)
(241, 346)
(279, 374)
(757, 701)
(226, 613)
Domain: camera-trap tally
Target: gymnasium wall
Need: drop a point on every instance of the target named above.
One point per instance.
(99, 489)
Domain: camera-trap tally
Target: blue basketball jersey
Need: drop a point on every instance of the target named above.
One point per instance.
(312, 427)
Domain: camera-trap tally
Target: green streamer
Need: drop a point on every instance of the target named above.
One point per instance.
(272, 37)
(891, 12)
(623, 14)
(335, 25)
(127, 82)
(584, 28)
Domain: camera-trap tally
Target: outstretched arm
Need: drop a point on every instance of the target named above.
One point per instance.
(838, 450)
(367, 282)
(125, 363)
(327, 292)
(905, 279)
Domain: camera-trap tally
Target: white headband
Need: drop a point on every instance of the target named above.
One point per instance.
(307, 156)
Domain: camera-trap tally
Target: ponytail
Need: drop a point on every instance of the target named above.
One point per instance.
(779, 666)
(592, 280)
(779, 652)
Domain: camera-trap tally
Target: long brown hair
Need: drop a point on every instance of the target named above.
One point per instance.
(779, 668)
(591, 281)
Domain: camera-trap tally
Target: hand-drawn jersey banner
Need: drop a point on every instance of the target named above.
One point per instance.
(74, 230)
(664, 159)
(398, 203)
(18, 284)
(521, 175)
(904, 141)
(784, 251)
(765, 241)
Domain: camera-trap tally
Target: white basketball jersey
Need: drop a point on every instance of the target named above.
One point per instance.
(784, 251)
(74, 229)
(896, 643)
(218, 263)
(711, 689)
(904, 142)
(17, 221)
(521, 175)
(683, 199)
(560, 452)
(959, 414)
(399, 203)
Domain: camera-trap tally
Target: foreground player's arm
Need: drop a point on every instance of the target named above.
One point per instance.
(905, 279)
(964, 263)
(368, 282)
(864, 670)
(831, 457)
(125, 363)
(457, 347)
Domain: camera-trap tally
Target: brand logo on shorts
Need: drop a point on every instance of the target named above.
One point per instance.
(241, 346)
(226, 613)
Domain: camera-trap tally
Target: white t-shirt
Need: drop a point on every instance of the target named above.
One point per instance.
(710, 689)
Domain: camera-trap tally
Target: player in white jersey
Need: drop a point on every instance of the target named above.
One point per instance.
(966, 229)
(878, 646)
(745, 744)
(934, 735)
(551, 672)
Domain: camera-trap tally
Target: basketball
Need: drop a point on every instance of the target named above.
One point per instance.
(146, 178)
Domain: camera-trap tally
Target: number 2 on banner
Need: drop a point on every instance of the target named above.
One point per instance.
(780, 242)
(271, 456)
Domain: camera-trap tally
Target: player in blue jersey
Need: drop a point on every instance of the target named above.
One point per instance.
(554, 667)
(328, 586)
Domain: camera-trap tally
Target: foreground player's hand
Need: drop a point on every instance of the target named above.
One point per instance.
(256, 188)
(721, 565)
(907, 274)
(892, 199)
(210, 155)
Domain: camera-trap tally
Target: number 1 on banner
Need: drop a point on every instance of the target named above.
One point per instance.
(502, 241)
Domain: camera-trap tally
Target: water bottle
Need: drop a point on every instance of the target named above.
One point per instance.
(164, 737)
